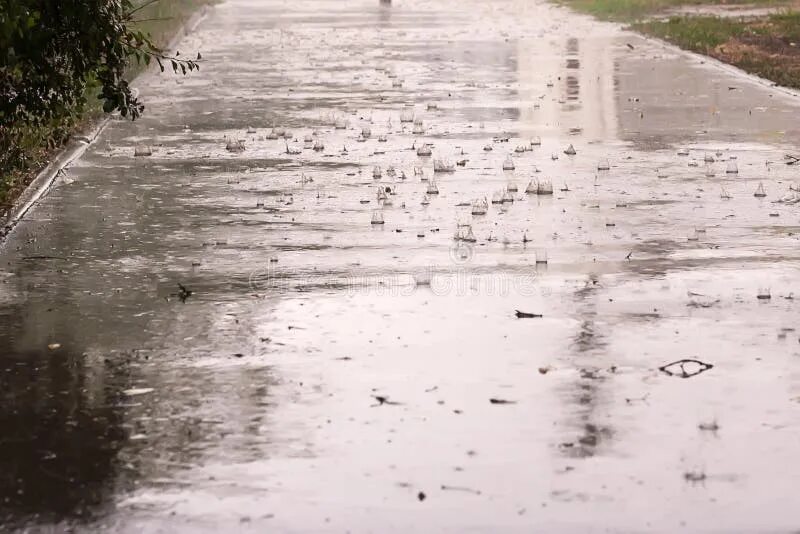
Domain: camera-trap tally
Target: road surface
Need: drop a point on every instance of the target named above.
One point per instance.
(319, 373)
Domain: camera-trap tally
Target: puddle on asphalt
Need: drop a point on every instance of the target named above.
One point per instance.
(259, 318)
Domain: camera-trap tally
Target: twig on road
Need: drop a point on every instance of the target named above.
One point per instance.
(501, 401)
(460, 488)
(384, 400)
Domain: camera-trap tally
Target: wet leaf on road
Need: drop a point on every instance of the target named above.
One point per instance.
(685, 368)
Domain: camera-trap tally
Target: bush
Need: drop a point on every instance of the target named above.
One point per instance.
(55, 53)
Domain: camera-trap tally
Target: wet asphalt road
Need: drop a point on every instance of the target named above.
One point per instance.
(330, 375)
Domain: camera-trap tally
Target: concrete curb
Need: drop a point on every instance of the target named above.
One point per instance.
(40, 185)
(75, 148)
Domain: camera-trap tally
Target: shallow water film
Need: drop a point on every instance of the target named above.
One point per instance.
(428, 266)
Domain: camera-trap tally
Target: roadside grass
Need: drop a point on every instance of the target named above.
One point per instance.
(699, 34)
(634, 10)
(38, 145)
(766, 46)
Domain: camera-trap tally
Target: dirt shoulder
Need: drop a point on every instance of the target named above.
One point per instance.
(761, 37)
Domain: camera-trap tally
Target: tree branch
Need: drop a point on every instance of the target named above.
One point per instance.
(150, 2)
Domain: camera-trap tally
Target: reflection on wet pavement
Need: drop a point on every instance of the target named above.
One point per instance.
(210, 340)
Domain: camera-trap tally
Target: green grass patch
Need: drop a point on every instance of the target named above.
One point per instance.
(699, 34)
(765, 46)
(634, 10)
(787, 25)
